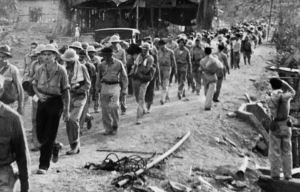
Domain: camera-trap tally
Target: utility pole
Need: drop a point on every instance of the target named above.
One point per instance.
(137, 13)
(270, 18)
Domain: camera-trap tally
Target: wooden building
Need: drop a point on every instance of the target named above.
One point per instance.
(152, 14)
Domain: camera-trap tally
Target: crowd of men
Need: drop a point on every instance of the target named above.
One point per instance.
(68, 81)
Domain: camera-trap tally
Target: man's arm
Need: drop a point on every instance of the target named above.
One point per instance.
(173, 60)
(124, 57)
(18, 83)
(189, 61)
(87, 81)
(289, 92)
(124, 79)
(20, 148)
(225, 59)
(98, 79)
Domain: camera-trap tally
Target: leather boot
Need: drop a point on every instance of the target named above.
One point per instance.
(75, 149)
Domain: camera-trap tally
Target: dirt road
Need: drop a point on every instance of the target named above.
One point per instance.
(159, 131)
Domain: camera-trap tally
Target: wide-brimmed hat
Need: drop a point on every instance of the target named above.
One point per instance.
(220, 37)
(148, 38)
(70, 55)
(106, 51)
(85, 44)
(189, 43)
(39, 48)
(33, 53)
(5, 49)
(76, 45)
(50, 47)
(115, 39)
(145, 46)
(91, 49)
(162, 42)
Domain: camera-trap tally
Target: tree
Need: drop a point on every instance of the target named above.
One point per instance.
(206, 14)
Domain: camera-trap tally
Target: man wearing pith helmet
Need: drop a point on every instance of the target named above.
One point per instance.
(120, 54)
(52, 88)
(13, 90)
(80, 83)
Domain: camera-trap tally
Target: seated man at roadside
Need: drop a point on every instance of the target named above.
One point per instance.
(13, 147)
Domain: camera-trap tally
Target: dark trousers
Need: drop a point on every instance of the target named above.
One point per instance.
(218, 88)
(47, 122)
(173, 74)
(150, 92)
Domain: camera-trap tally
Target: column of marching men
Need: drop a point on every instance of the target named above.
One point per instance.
(68, 81)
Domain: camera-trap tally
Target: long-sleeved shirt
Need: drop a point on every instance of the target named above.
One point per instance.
(85, 87)
(237, 46)
(223, 58)
(183, 59)
(112, 73)
(197, 53)
(285, 99)
(13, 144)
(12, 75)
(120, 54)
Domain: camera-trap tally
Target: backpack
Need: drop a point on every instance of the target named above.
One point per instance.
(10, 94)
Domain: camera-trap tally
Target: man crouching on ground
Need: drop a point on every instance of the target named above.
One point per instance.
(13, 147)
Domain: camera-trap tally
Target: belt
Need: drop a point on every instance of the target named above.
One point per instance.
(111, 83)
(280, 119)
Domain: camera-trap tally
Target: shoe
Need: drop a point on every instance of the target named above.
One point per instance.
(35, 149)
(89, 123)
(216, 101)
(97, 111)
(41, 171)
(75, 149)
(138, 122)
(123, 113)
(207, 109)
(57, 147)
(107, 133)
(148, 108)
(198, 93)
(193, 91)
(179, 96)
(161, 102)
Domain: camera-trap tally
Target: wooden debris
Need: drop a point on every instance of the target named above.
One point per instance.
(157, 160)
(229, 141)
(248, 97)
(177, 187)
(137, 152)
(156, 189)
(223, 178)
(243, 167)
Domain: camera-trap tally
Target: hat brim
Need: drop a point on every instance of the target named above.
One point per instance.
(92, 51)
(70, 59)
(144, 48)
(6, 53)
(54, 51)
(76, 47)
(116, 41)
(104, 53)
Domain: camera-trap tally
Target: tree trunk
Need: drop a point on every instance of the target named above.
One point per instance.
(205, 14)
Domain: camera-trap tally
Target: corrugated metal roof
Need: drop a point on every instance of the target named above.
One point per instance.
(118, 2)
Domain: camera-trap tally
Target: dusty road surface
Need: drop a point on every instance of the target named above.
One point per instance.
(160, 131)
